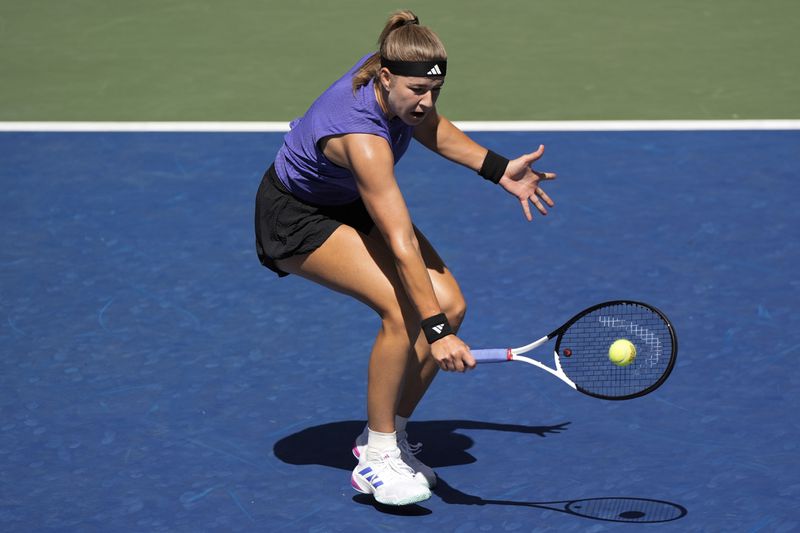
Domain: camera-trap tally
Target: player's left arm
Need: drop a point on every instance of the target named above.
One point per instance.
(440, 135)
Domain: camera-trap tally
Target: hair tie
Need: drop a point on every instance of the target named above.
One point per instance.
(415, 20)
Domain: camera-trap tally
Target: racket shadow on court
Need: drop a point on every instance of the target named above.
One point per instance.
(606, 509)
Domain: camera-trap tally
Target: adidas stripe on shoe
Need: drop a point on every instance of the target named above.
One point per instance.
(408, 454)
(388, 479)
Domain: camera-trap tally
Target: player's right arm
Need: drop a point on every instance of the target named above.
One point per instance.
(371, 161)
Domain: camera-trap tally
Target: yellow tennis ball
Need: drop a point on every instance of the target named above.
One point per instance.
(622, 352)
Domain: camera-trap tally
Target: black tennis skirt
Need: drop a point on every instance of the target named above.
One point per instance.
(287, 226)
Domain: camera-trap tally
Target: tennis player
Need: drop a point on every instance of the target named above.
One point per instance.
(329, 209)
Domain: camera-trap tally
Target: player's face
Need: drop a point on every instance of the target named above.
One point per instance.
(411, 98)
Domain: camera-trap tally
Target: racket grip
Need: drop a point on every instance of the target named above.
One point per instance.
(492, 355)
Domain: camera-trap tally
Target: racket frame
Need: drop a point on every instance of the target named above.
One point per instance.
(515, 354)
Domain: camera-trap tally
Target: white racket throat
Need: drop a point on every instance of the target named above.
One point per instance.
(514, 354)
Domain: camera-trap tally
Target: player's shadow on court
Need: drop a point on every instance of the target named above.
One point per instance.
(306, 447)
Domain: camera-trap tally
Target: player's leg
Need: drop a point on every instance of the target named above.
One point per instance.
(422, 368)
(362, 267)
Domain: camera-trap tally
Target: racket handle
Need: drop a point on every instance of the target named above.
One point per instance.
(492, 355)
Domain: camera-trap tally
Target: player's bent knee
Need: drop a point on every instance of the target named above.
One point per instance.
(456, 309)
(393, 320)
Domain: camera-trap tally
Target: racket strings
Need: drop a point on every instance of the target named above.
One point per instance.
(641, 332)
(590, 337)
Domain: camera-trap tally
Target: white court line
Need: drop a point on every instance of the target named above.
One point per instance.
(547, 125)
(145, 126)
(630, 125)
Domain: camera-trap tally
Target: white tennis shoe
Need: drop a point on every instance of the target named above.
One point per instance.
(388, 478)
(408, 454)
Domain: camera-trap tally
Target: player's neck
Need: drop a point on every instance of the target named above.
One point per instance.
(381, 98)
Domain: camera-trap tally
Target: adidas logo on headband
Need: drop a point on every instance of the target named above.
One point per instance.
(435, 71)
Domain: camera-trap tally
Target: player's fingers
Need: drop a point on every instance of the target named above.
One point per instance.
(526, 209)
(469, 361)
(546, 175)
(538, 204)
(533, 156)
(452, 364)
(545, 197)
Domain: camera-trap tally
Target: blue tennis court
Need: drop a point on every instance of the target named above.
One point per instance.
(156, 378)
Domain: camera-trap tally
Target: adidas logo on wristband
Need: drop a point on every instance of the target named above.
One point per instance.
(436, 327)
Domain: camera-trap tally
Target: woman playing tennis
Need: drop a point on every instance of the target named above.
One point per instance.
(329, 209)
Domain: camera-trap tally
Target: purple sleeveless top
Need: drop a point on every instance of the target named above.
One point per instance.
(300, 164)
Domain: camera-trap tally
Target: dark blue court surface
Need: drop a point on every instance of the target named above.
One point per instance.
(156, 378)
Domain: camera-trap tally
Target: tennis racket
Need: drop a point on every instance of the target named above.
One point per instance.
(582, 345)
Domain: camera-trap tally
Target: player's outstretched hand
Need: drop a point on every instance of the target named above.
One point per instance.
(523, 182)
(452, 354)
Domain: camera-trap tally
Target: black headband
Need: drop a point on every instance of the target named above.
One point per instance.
(421, 69)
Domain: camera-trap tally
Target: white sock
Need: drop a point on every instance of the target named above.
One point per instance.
(400, 423)
(381, 442)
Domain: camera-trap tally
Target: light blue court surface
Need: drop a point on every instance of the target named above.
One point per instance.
(154, 377)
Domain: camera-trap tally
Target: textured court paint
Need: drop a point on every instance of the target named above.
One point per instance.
(200, 404)
(520, 59)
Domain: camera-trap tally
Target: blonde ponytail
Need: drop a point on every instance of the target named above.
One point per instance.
(402, 39)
